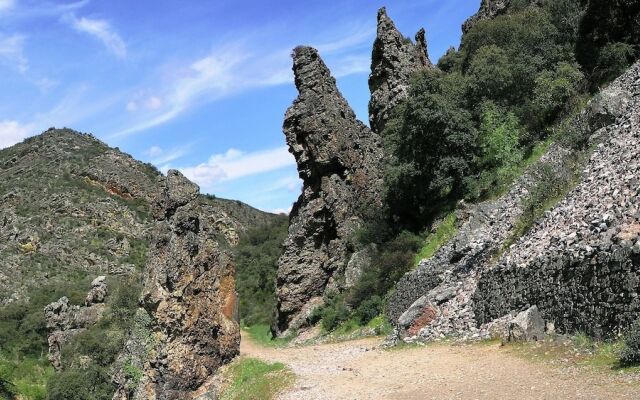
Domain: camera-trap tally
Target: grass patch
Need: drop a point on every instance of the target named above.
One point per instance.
(252, 379)
(262, 335)
(445, 231)
(29, 376)
(580, 351)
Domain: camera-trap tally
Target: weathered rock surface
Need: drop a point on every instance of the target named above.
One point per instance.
(339, 160)
(490, 9)
(527, 326)
(395, 60)
(580, 264)
(418, 307)
(189, 292)
(64, 320)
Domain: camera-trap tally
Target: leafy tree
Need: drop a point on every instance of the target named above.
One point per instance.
(553, 90)
(605, 23)
(432, 141)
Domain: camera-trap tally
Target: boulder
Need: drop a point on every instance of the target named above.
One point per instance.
(527, 326)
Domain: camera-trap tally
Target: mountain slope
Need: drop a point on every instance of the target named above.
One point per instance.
(72, 206)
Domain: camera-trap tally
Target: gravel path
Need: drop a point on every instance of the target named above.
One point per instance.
(361, 370)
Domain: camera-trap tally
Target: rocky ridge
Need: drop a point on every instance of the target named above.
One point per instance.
(394, 61)
(442, 297)
(339, 160)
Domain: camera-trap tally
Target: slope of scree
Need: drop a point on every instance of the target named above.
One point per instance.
(443, 296)
(580, 264)
(74, 207)
(339, 160)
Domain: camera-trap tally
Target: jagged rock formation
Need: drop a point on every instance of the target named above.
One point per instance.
(394, 61)
(189, 292)
(490, 9)
(442, 297)
(580, 264)
(64, 321)
(73, 205)
(339, 160)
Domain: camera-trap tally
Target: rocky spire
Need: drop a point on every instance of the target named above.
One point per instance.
(490, 9)
(339, 161)
(189, 295)
(395, 59)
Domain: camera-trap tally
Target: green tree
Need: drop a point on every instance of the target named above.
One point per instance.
(432, 143)
(554, 89)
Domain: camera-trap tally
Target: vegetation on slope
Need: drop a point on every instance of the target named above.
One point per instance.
(470, 128)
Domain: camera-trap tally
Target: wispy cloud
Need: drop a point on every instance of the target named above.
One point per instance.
(101, 30)
(235, 164)
(235, 68)
(160, 156)
(6, 5)
(12, 132)
(12, 52)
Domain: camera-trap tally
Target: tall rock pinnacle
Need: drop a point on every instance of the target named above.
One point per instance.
(189, 294)
(339, 160)
(394, 61)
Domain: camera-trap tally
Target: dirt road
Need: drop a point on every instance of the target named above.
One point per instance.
(361, 370)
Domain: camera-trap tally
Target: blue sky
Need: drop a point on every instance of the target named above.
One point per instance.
(201, 86)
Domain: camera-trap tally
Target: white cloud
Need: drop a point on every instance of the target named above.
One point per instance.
(12, 52)
(101, 30)
(281, 211)
(6, 5)
(159, 156)
(12, 132)
(233, 68)
(235, 164)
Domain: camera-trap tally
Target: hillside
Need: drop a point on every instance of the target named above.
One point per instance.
(74, 207)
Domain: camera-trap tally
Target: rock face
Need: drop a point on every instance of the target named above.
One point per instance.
(339, 160)
(580, 264)
(459, 292)
(64, 321)
(189, 292)
(490, 9)
(395, 59)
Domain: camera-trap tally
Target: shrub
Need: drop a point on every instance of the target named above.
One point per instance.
(553, 90)
(630, 355)
(433, 142)
(91, 383)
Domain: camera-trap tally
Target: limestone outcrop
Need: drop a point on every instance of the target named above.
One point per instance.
(569, 266)
(394, 61)
(189, 292)
(64, 320)
(339, 160)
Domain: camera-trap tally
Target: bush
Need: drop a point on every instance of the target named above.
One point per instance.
(630, 355)
(432, 140)
(92, 383)
(553, 90)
